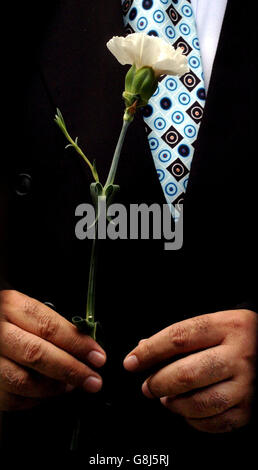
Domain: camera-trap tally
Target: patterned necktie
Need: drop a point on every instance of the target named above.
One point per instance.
(173, 115)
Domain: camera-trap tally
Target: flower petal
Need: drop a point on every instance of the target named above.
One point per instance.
(144, 50)
(174, 64)
(119, 48)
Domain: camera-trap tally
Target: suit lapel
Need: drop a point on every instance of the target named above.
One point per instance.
(227, 106)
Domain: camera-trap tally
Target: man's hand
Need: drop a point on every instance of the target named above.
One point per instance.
(41, 353)
(213, 384)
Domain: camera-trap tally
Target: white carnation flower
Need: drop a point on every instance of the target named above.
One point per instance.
(142, 50)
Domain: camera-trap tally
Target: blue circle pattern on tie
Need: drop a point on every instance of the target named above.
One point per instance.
(174, 113)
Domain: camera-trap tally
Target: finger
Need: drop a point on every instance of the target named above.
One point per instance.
(194, 371)
(189, 335)
(35, 317)
(225, 422)
(33, 352)
(208, 402)
(142, 340)
(19, 381)
(10, 402)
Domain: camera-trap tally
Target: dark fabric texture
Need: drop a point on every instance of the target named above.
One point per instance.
(60, 61)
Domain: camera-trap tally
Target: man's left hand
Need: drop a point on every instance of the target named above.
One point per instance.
(212, 386)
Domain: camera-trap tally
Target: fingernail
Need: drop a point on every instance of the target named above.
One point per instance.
(146, 391)
(131, 363)
(96, 358)
(92, 384)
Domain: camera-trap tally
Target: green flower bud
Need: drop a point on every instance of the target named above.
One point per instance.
(140, 84)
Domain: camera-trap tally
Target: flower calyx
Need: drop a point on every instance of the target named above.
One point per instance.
(140, 84)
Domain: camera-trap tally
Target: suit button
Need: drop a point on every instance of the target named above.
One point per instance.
(23, 184)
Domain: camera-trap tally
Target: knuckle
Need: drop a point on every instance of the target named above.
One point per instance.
(242, 320)
(47, 326)
(16, 380)
(237, 323)
(30, 307)
(249, 359)
(202, 324)
(8, 297)
(212, 364)
(178, 336)
(74, 376)
(20, 382)
(78, 343)
(186, 377)
(33, 353)
(212, 401)
(251, 325)
(219, 401)
(14, 337)
(199, 404)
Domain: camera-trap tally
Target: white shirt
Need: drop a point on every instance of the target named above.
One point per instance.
(209, 16)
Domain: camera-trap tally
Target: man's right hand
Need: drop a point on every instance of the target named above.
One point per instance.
(42, 354)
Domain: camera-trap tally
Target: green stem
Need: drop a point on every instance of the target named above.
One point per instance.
(114, 164)
(76, 434)
(61, 123)
(80, 152)
(90, 309)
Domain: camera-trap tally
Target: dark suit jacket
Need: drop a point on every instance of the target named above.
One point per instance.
(59, 60)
